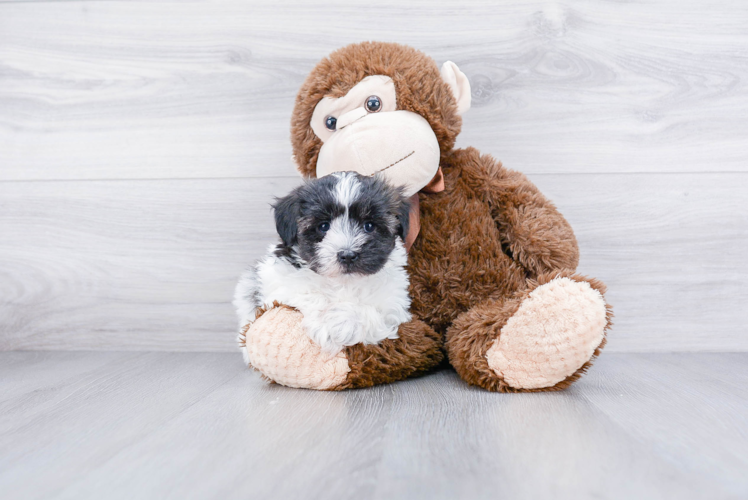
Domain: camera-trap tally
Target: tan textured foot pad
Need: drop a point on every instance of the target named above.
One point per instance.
(553, 333)
(280, 349)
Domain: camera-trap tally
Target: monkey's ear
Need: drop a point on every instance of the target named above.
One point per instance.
(287, 212)
(459, 84)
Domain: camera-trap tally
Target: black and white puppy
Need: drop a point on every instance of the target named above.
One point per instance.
(341, 261)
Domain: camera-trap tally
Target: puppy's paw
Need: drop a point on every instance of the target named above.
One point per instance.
(277, 345)
(339, 326)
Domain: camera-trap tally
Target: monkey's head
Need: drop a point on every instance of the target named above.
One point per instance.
(372, 107)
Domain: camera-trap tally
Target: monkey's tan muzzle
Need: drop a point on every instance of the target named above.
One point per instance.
(399, 144)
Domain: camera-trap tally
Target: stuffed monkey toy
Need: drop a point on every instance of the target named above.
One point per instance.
(491, 260)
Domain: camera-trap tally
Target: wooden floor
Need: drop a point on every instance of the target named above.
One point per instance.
(196, 425)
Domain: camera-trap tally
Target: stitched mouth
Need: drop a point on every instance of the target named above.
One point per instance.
(395, 163)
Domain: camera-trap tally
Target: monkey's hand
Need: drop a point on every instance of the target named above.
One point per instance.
(276, 345)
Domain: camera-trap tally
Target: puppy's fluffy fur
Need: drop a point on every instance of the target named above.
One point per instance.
(341, 261)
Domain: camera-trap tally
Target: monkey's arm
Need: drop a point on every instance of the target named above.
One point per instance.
(276, 345)
(417, 350)
(533, 231)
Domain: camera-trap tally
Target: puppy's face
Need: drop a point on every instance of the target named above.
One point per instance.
(343, 223)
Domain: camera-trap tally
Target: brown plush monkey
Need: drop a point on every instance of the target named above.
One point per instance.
(492, 260)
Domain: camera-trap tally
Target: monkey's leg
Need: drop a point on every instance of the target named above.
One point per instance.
(278, 347)
(541, 339)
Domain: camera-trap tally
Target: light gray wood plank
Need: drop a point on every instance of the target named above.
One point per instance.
(188, 425)
(86, 418)
(708, 387)
(520, 446)
(152, 264)
(129, 265)
(671, 249)
(92, 90)
(29, 383)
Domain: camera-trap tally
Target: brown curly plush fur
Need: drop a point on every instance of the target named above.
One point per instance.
(417, 350)
(486, 241)
(482, 238)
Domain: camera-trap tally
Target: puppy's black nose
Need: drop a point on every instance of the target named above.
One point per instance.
(347, 257)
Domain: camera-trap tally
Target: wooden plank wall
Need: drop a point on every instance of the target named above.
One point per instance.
(141, 142)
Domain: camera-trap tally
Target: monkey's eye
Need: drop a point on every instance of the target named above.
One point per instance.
(331, 123)
(373, 104)
(368, 227)
(324, 227)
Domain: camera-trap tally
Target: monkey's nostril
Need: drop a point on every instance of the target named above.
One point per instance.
(347, 257)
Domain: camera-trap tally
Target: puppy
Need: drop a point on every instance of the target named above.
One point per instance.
(341, 261)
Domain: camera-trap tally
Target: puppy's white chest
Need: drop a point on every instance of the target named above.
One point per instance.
(343, 310)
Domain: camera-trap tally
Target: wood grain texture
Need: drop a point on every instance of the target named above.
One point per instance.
(141, 142)
(113, 90)
(671, 249)
(129, 264)
(179, 425)
(143, 265)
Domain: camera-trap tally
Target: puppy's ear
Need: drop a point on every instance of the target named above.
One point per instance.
(403, 218)
(287, 212)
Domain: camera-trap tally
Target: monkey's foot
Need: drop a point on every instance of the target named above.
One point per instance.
(542, 339)
(555, 331)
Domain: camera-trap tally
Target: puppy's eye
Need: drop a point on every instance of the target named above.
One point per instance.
(331, 123)
(368, 227)
(324, 227)
(373, 104)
